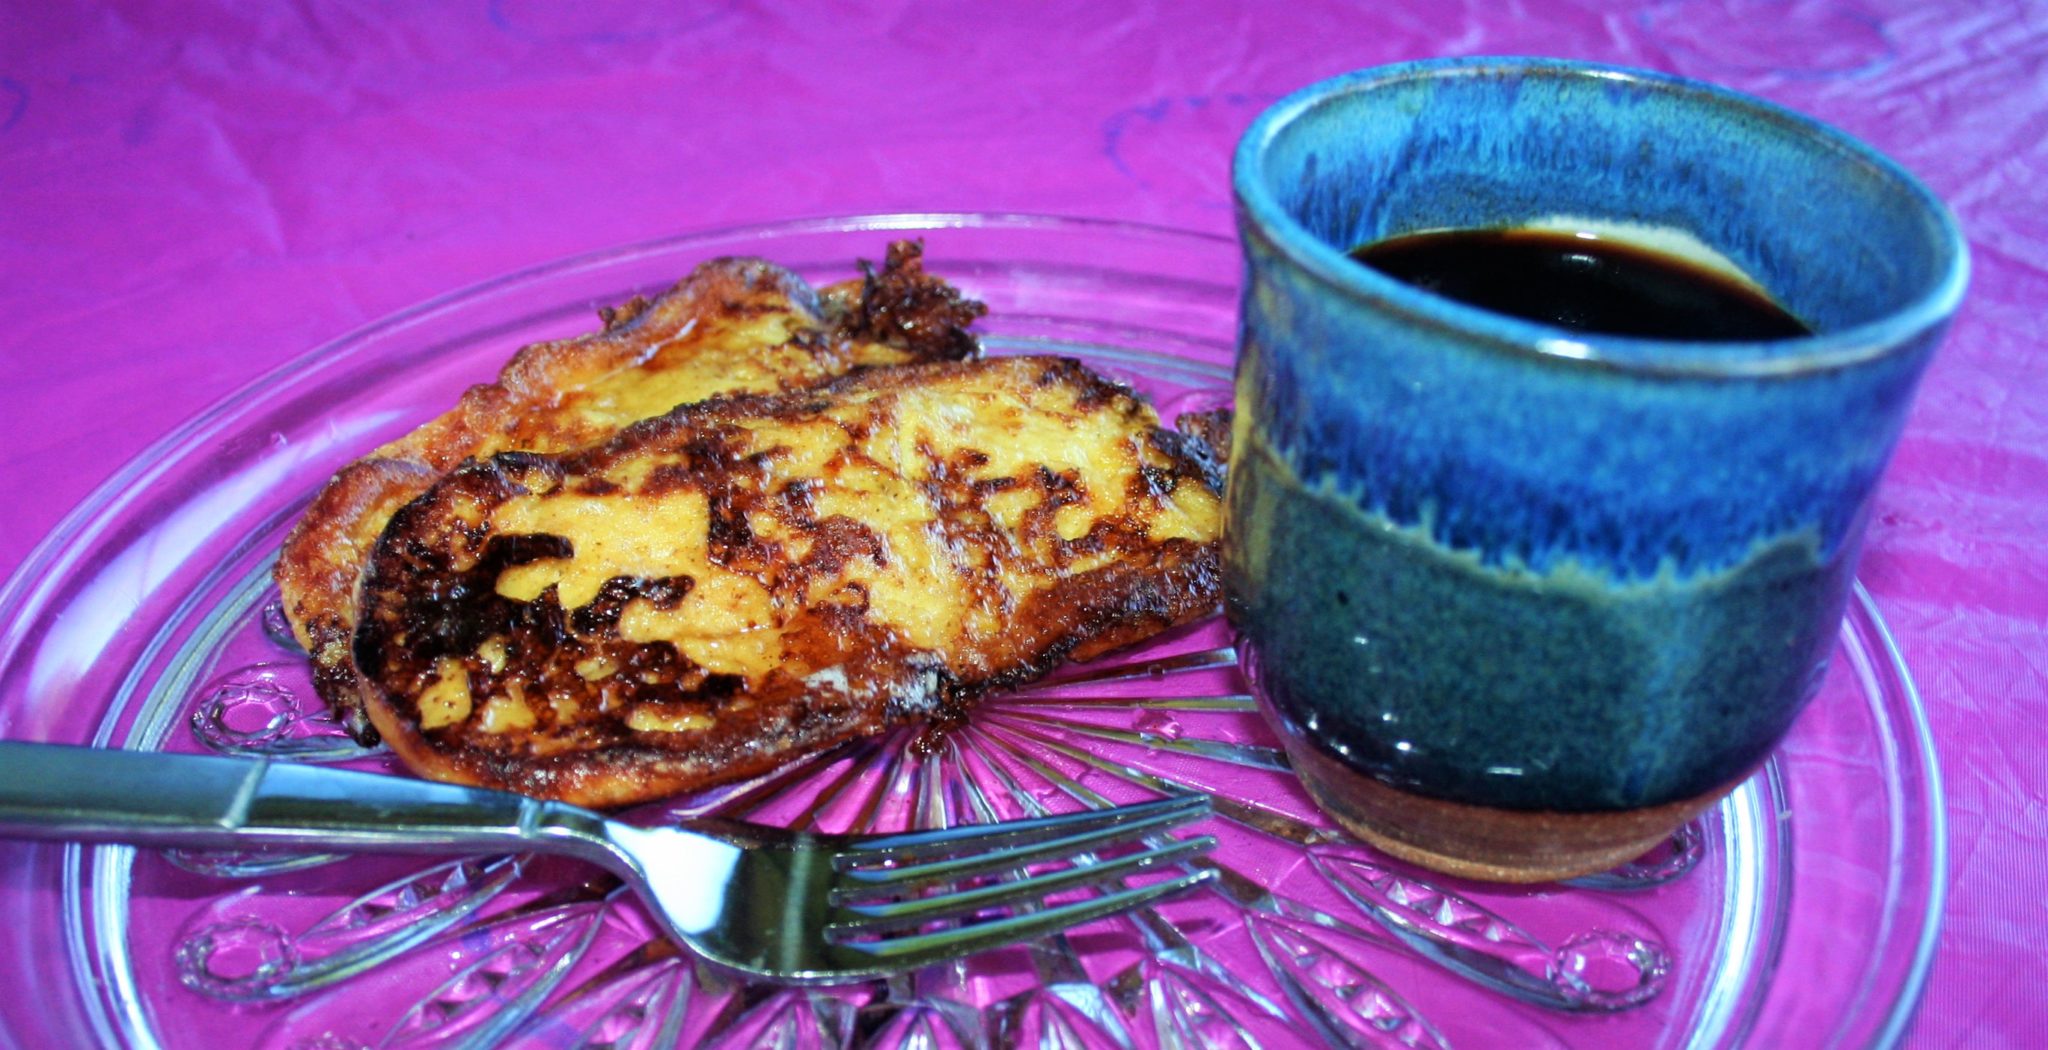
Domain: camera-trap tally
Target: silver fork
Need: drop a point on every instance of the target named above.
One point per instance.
(790, 907)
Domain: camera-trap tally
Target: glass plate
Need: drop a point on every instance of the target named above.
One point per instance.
(1801, 912)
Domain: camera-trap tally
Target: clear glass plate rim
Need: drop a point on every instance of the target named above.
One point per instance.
(1935, 836)
(37, 578)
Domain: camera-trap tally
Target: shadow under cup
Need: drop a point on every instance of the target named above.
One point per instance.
(1521, 601)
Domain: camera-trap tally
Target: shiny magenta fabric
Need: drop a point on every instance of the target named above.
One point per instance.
(191, 194)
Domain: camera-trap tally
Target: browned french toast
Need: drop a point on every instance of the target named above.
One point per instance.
(741, 581)
(732, 326)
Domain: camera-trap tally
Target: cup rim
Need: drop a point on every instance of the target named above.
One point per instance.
(1260, 214)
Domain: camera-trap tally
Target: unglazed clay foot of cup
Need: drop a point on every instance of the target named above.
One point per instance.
(1486, 842)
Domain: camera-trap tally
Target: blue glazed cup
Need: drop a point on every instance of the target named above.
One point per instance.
(1519, 600)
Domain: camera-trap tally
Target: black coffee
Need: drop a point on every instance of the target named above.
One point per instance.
(1590, 285)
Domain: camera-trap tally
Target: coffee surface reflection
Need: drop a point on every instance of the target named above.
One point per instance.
(1583, 282)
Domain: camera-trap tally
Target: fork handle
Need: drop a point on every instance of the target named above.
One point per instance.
(56, 791)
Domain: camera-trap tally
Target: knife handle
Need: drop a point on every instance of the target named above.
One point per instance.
(57, 791)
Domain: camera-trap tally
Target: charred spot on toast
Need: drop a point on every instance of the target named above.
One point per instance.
(904, 306)
(1206, 435)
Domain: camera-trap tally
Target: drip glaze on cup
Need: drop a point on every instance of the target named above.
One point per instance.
(1521, 599)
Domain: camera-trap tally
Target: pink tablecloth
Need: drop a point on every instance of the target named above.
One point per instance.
(192, 194)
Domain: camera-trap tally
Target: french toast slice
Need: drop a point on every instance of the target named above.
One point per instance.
(745, 580)
(732, 326)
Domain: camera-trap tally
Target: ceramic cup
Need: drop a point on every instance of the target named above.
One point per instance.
(1521, 601)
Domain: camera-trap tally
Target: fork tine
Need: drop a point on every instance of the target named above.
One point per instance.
(914, 877)
(894, 914)
(917, 846)
(923, 949)
(1102, 835)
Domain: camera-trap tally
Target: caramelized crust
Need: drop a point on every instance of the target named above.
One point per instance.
(732, 326)
(718, 590)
